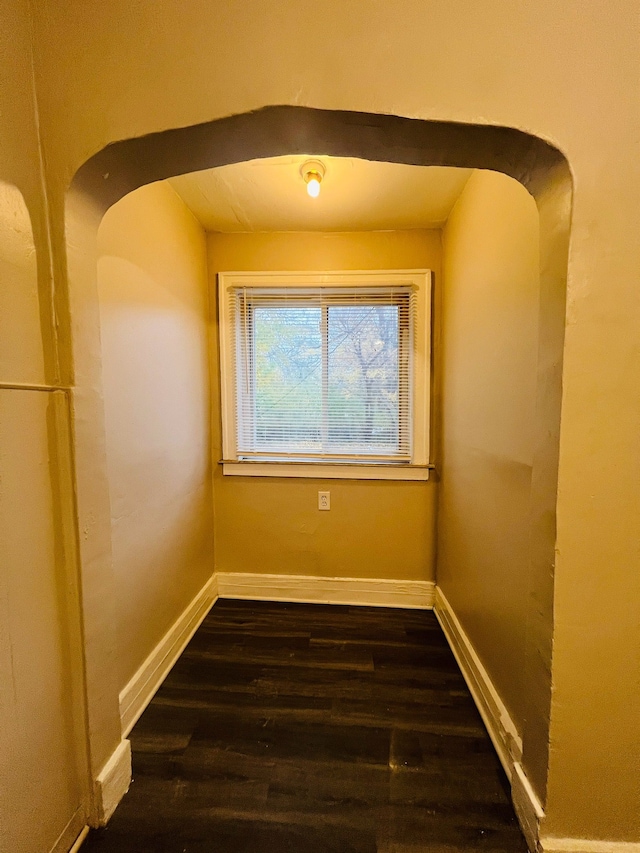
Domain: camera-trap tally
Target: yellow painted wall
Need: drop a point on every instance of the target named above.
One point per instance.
(374, 529)
(18, 135)
(42, 768)
(154, 329)
(489, 368)
(565, 72)
(41, 781)
(21, 350)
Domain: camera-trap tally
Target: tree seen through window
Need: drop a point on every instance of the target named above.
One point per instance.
(326, 378)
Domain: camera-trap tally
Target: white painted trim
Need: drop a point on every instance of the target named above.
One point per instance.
(527, 806)
(501, 728)
(79, 840)
(112, 784)
(420, 279)
(318, 471)
(141, 689)
(316, 590)
(581, 845)
(73, 830)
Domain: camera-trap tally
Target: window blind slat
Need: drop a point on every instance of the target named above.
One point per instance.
(323, 373)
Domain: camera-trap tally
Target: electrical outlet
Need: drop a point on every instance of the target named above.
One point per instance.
(324, 500)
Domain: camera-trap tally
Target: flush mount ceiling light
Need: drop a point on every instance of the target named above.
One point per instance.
(312, 173)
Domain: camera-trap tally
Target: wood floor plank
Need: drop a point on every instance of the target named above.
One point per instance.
(313, 729)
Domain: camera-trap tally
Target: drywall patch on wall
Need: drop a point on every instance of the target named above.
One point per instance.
(370, 592)
(141, 689)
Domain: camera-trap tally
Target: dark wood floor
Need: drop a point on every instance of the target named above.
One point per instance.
(313, 729)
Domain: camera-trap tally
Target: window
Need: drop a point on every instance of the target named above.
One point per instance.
(329, 370)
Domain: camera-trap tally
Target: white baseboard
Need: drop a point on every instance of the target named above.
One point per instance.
(74, 830)
(111, 785)
(141, 689)
(501, 728)
(582, 845)
(317, 590)
(79, 840)
(508, 745)
(527, 806)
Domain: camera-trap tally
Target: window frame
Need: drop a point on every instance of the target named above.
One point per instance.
(418, 466)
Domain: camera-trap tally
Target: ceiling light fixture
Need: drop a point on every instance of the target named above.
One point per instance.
(313, 172)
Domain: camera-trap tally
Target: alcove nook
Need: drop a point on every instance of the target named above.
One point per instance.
(478, 535)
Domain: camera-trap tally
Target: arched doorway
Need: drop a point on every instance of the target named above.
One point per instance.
(272, 131)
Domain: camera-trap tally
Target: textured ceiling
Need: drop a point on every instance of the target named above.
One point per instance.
(357, 195)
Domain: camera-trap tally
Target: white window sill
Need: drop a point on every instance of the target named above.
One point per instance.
(320, 471)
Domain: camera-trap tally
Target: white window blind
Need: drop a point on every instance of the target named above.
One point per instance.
(323, 373)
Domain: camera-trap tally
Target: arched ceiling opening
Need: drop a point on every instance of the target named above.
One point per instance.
(290, 131)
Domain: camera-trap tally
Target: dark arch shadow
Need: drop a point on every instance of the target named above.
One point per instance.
(279, 130)
(123, 166)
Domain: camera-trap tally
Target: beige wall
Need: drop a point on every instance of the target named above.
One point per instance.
(564, 72)
(154, 330)
(19, 160)
(21, 350)
(374, 529)
(489, 358)
(42, 767)
(41, 772)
